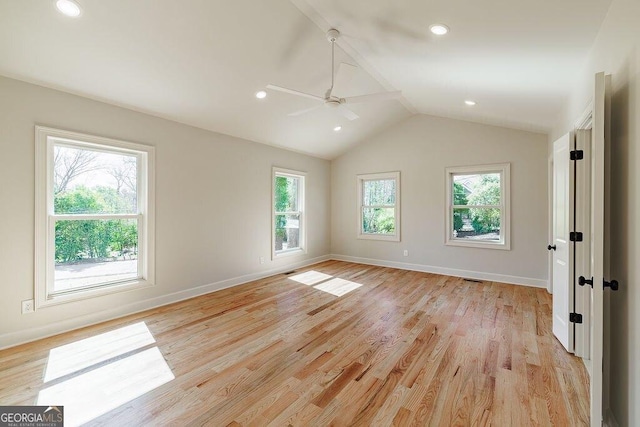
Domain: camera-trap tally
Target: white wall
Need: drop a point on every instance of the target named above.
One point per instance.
(615, 51)
(420, 148)
(213, 202)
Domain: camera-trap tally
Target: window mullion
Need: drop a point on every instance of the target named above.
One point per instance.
(379, 206)
(91, 217)
(289, 213)
(477, 206)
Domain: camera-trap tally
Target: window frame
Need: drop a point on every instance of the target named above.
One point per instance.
(302, 223)
(361, 178)
(504, 169)
(45, 218)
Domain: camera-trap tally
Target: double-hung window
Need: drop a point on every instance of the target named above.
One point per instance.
(288, 212)
(379, 206)
(94, 216)
(478, 213)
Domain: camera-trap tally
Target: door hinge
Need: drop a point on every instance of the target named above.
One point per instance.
(576, 155)
(575, 236)
(575, 318)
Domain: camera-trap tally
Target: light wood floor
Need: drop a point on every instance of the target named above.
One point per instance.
(403, 348)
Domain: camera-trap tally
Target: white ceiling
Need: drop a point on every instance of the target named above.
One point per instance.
(200, 62)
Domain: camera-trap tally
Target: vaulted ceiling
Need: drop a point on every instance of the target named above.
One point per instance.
(200, 62)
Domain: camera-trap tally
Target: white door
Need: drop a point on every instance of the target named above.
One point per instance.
(597, 247)
(582, 249)
(562, 250)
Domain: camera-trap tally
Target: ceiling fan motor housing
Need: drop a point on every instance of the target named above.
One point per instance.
(332, 103)
(332, 35)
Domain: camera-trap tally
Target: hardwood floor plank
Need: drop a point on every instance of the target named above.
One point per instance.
(296, 413)
(401, 348)
(402, 418)
(353, 397)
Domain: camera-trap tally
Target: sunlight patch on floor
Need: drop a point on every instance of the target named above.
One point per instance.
(96, 392)
(325, 282)
(74, 357)
(310, 277)
(337, 286)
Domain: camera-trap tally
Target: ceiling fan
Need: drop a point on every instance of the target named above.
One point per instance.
(339, 81)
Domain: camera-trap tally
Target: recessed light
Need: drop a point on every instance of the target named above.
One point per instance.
(261, 94)
(470, 103)
(337, 128)
(439, 29)
(69, 8)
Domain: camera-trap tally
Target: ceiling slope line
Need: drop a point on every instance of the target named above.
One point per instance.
(321, 23)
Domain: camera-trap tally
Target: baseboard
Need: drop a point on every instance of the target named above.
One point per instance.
(609, 419)
(477, 275)
(13, 339)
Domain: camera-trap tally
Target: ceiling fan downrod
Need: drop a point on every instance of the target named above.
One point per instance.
(332, 36)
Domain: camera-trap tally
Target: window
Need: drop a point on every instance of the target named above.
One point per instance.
(288, 212)
(379, 206)
(478, 206)
(94, 216)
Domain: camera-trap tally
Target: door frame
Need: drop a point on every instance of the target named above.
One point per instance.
(550, 213)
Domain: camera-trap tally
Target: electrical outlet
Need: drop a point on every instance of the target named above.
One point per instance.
(261, 260)
(406, 252)
(27, 306)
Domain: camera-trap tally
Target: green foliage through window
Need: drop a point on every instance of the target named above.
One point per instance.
(478, 205)
(79, 239)
(459, 198)
(97, 183)
(487, 193)
(378, 220)
(378, 206)
(287, 199)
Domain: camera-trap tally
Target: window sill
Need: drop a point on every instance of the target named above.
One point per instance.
(289, 252)
(383, 237)
(93, 293)
(505, 246)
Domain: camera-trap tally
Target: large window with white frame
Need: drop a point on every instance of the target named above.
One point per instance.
(478, 212)
(94, 216)
(379, 206)
(289, 227)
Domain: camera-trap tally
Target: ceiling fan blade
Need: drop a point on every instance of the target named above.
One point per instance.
(305, 111)
(347, 113)
(381, 96)
(345, 74)
(295, 92)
